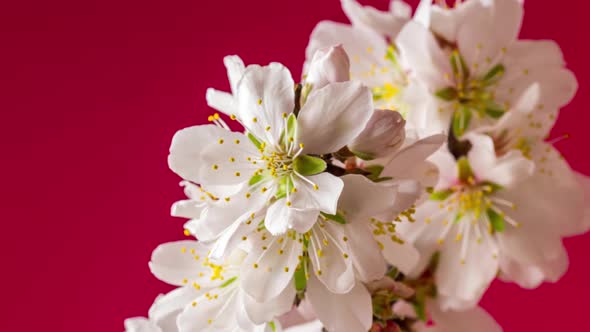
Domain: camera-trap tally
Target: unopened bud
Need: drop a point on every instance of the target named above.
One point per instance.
(328, 65)
(384, 134)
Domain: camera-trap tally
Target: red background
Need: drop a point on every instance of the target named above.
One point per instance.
(91, 93)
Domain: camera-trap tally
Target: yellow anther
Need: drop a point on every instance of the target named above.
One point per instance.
(232, 159)
(259, 101)
(255, 265)
(187, 232)
(221, 141)
(254, 120)
(301, 145)
(227, 199)
(286, 269)
(316, 187)
(215, 167)
(237, 173)
(233, 117)
(288, 203)
(237, 141)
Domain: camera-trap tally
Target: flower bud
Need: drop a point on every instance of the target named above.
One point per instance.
(382, 136)
(328, 65)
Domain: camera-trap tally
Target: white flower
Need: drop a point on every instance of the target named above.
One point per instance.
(275, 166)
(209, 297)
(223, 101)
(474, 319)
(329, 65)
(141, 324)
(385, 23)
(486, 73)
(338, 249)
(490, 214)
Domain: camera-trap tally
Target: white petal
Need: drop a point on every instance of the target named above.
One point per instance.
(327, 250)
(166, 308)
(362, 197)
(234, 235)
(324, 198)
(221, 101)
(526, 276)
(313, 326)
(225, 161)
(174, 262)
(235, 70)
(464, 283)
(262, 312)
(187, 209)
(487, 30)
(385, 23)
(475, 319)
(270, 265)
(507, 171)
(211, 313)
(413, 154)
(364, 251)
(141, 324)
(187, 147)
(333, 116)
(351, 312)
(281, 218)
(423, 55)
(403, 256)
(265, 95)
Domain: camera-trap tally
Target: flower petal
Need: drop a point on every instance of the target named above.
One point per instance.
(365, 253)
(352, 311)
(265, 95)
(474, 319)
(262, 312)
(333, 116)
(166, 308)
(281, 218)
(464, 282)
(214, 311)
(313, 326)
(140, 324)
(221, 101)
(362, 197)
(385, 23)
(329, 257)
(423, 55)
(187, 147)
(174, 263)
(409, 156)
(321, 195)
(235, 70)
(270, 265)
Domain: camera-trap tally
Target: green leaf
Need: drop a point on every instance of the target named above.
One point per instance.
(449, 93)
(461, 119)
(364, 155)
(300, 278)
(254, 140)
(494, 110)
(309, 165)
(255, 179)
(464, 169)
(228, 282)
(496, 71)
(335, 217)
(441, 195)
(496, 220)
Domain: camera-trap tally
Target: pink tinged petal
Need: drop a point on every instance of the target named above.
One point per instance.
(341, 312)
(408, 157)
(221, 101)
(585, 184)
(362, 197)
(487, 31)
(270, 265)
(318, 192)
(330, 258)
(365, 253)
(329, 65)
(464, 282)
(385, 23)
(333, 116)
(424, 57)
(228, 160)
(365, 49)
(216, 312)
(175, 263)
(140, 324)
(166, 308)
(447, 169)
(265, 95)
(186, 150)
(383, 135)
(474, 319)
(445, 22)
(262, 312)
(526, 276)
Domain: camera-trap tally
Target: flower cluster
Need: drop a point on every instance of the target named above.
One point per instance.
(385, 191)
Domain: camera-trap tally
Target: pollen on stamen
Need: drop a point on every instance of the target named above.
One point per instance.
(288, 203)
(254, 120)
(233, 117)
(232, 159)
(267, 128)
(215, 167)
(301, 145)
(255, 266)
(286, 269)
(227, 199)
(187, 232)
(237, 174)
(316, 187)
(259, 101)
(440, 241)
(284, 115)
(221, 141)
(264, 189)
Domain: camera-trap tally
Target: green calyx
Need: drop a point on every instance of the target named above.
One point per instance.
(309, 165)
